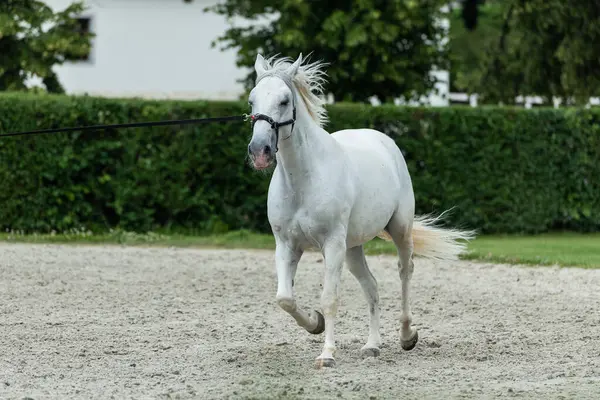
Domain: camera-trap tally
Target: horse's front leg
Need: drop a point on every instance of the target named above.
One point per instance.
(286, 262)
(333, 252)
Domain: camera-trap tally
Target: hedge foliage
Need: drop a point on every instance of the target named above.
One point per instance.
(502, 169)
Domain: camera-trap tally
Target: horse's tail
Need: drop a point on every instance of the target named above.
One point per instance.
(432, 241)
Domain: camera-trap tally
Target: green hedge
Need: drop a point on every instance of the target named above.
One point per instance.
(504, 170)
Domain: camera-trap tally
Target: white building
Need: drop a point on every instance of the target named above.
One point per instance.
(158, 49)
(153, 49)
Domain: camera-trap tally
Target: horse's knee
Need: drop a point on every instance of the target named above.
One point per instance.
(329, 303)
(373, 292)
(286, 303)
(406, 268)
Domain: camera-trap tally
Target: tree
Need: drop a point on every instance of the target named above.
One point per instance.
(558, 47)
(384, 48)
(33, 39)
(470, 13)
(534, 47)
(468, 43)
(482, 56)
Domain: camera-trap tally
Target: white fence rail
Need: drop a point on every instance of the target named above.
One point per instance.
(526, 101)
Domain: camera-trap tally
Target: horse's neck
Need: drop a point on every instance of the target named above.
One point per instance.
(305, 151)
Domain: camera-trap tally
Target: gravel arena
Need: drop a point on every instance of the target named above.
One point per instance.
(102, 322)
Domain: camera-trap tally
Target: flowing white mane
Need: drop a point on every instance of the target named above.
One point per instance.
(308, 82)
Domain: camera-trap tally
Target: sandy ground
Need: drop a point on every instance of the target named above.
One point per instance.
(111, 322)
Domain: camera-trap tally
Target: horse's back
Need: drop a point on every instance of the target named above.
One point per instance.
(368, 147)
(366, 139)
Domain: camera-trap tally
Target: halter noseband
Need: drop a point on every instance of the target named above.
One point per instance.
(274, 124)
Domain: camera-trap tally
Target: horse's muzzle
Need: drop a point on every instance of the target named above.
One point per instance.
(261, 155)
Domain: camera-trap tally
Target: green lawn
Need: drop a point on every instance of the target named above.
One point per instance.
(565, 249)
(570, 249)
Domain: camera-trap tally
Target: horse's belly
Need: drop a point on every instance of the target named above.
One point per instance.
(379, 185)
(370, 215)
(377, 196)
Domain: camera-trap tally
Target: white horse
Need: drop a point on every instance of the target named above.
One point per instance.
(335, 192)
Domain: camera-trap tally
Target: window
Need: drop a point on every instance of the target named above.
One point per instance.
(83, 27)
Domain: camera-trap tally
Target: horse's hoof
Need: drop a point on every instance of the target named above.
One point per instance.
(370, 351)
(324, 363)
(320, 324)
(410, 343)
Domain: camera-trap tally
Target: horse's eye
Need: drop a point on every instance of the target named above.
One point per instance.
(285, 102)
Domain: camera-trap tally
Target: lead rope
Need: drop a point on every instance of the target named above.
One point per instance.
(243, 117)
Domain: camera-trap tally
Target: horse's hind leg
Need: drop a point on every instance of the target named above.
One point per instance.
(401, 234)
(357, 264)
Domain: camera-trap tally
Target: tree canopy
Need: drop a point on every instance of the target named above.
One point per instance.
(34, 38)
(535, 47)
(383, 48)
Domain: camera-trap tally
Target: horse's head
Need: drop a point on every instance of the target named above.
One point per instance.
(273, 106)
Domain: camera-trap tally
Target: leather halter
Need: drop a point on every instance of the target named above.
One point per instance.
(274, 124)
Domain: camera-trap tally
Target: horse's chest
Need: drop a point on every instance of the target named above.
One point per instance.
(302, 224)
(305, 214)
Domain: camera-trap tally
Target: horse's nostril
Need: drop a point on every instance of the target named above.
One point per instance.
(267, 149)
(249, 150)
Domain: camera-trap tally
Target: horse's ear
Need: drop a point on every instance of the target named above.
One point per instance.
(259, 65)
(293, 69)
